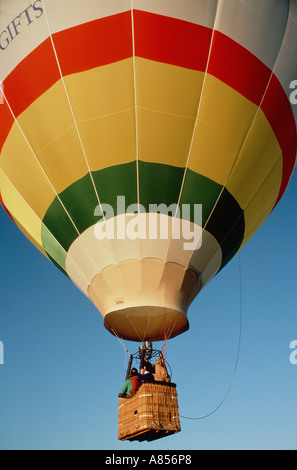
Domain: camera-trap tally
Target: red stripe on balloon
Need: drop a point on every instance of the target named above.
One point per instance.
(171, 41)
(238, 68)
(31, 78)
(94, 44)
(245, 73)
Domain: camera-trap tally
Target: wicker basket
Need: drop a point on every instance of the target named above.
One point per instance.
(152, 413)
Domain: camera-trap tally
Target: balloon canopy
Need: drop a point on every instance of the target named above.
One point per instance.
(153, 107)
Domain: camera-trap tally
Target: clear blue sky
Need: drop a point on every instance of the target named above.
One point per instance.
(63, 370)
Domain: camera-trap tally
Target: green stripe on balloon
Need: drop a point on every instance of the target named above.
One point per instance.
(158, 184)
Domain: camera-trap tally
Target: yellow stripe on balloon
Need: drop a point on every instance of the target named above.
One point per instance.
(257, 159)
(263, 201)
(101, 91)
(168, 99)
(22, 214)
(223, 122)
(19, 163)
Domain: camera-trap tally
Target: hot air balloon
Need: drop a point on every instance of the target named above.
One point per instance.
(120, 117)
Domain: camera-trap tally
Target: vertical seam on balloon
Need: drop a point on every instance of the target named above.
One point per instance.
(135, 105)
(40, 165)
(268, 211)
(224, 186)
(43, 224)
(198, 110)
(254, 196)
(248, 133)
(196, 120)
(136, 117)
(253, 120)
(77, 130)
(72, 112)
(259, 108)
(241, 148)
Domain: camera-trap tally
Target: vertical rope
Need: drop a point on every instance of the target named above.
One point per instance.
(164, 348)
(122, 342)
(237, 355)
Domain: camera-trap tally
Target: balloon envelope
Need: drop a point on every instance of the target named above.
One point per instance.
(144, 142)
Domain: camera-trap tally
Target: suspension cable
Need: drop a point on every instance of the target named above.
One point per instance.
(122, 342)
(237, 356)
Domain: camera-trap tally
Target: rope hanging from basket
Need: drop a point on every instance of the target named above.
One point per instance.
(164, 350)
(237, 355)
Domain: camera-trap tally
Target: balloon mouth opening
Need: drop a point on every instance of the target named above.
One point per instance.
(146, 323)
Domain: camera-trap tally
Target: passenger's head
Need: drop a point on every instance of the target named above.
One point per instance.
(148, 366)
(134, 371)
